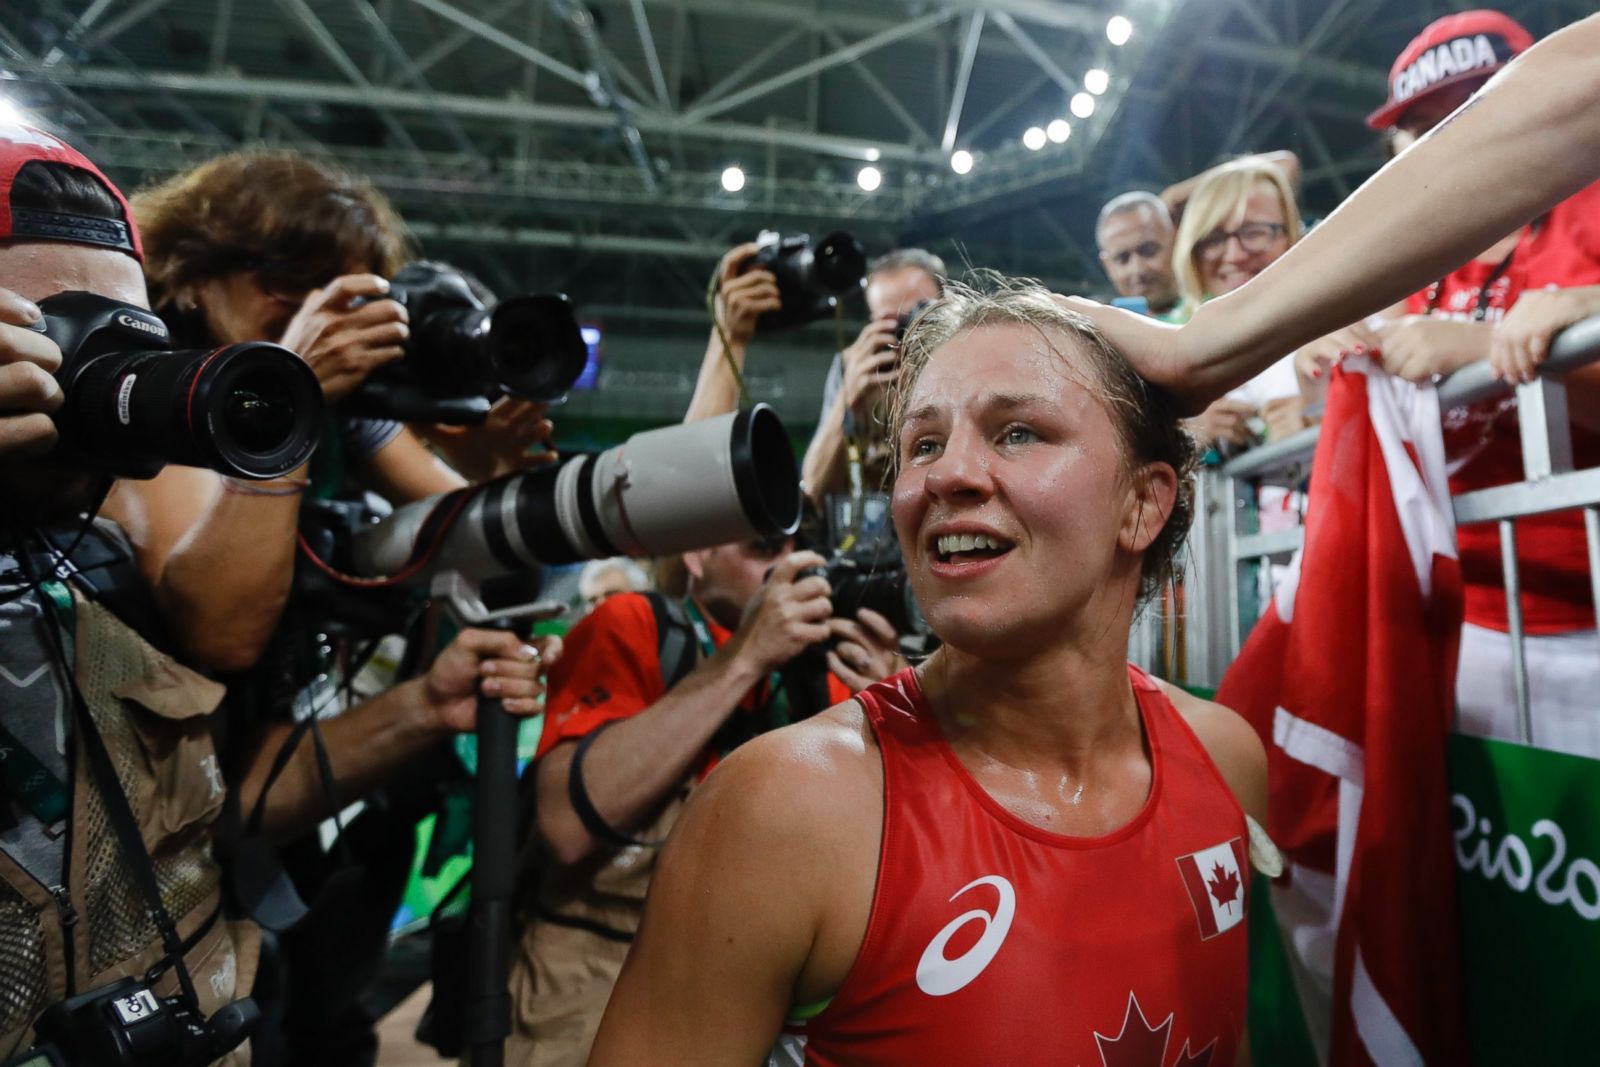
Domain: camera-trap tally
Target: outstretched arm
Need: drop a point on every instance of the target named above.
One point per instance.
(1510, 153)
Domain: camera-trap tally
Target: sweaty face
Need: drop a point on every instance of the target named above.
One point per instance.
(1011, 492)
(1136, 251)
(1234, 264)
(891, 293)
(40, 491)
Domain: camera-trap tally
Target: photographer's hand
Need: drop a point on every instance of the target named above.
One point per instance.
(867, 650)
(343, 344)
(499, 446)
(869, 367)
(29, 392)
(743, 297)
(506, 667)
(789, 615)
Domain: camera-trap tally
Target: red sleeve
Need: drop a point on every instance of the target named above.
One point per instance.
(838, 692)
(610, 669)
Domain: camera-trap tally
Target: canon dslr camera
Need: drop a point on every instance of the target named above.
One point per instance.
(811, 278)
(126, 1025)
(132, 404)
(462, 355)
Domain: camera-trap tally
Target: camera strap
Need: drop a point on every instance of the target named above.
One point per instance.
(118, 812)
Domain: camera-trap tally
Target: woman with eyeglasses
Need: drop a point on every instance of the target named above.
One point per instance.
(1238, 220)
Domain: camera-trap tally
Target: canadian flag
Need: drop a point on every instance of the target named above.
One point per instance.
(1215, 881)
(1349, 677)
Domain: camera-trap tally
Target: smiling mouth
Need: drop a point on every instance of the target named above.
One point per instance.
(969, 548)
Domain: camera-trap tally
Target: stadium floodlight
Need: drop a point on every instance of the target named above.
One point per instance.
(1034, 138)
(873, 155)
(869, 179)
(1082, 105)
(961, 161)
(1058, 130)
(1097, 81)
(733, 179)
(1119, 30)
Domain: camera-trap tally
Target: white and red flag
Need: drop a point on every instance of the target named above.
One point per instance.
(1349, 677)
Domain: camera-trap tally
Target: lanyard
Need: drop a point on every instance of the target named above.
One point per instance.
(1481, 310)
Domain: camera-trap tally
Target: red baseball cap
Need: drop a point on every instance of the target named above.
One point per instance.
(1457, 48)
(21, 144)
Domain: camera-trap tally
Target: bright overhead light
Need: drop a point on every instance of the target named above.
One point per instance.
(873, 155)
(1097, 81)
(1118, 30)
(1058, 130)
(1034, 138)
(869, 179)
(733, 179)
(961, 161)
(12, 115)
(1082, 105)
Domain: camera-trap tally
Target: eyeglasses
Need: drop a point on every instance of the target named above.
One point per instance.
(1147, 250)
(1253, 237)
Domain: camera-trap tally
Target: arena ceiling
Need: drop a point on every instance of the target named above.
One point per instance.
(557, 143)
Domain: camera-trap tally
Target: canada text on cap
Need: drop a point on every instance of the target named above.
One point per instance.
(1457, 48)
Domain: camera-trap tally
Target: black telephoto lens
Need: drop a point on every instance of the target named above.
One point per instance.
(536, 346)
(839, 263)
(132, 405)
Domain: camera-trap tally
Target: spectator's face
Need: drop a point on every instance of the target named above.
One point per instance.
(1427, 113)
(1136, 251)
(727, 578)
(1005, 438)
(609, 582)
(39, 491)
(890, 293)
(1227, 262)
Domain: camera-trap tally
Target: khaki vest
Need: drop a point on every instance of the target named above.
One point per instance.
(154, 717)
(561, 975)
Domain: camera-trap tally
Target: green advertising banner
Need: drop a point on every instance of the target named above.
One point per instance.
(1527, 846)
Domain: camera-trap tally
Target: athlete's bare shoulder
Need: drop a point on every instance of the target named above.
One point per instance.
(1231, 743)
(816, 768)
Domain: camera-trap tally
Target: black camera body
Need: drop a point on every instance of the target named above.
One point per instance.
(873, 575)
(462, 355)
(811, 278)
(907, 317)
(126, 1025)
(132, 404)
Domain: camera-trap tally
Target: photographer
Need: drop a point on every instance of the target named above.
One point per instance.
(851, 400)
(274, 246)
(90, 696)
(648, 697)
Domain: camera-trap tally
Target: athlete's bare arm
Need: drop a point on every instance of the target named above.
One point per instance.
(760, 900)
(1232, 745)
(1517, 149)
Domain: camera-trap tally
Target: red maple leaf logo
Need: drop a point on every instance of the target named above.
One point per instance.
(1199, 1059)
(1136, 1045)
(1223, 885)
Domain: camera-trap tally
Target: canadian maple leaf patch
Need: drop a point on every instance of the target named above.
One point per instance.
(1214, 880)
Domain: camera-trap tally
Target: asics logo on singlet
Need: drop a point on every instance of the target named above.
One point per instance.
(938, 976)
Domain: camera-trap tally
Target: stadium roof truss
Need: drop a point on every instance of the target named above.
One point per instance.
(559, 137)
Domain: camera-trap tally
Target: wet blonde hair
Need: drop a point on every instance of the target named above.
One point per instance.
(1220, 197)
(1145, 417)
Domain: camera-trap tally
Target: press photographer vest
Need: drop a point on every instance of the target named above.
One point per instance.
(153, 715)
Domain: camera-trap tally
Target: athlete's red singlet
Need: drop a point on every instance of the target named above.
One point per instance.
(994, 942)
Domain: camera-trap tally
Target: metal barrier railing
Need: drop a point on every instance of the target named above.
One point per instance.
(1196, 633)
